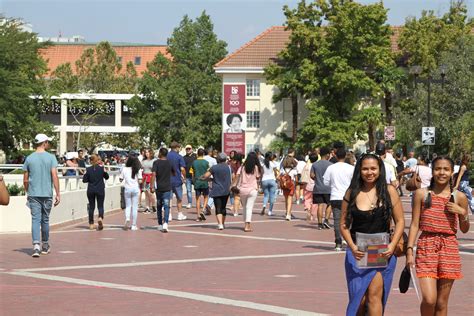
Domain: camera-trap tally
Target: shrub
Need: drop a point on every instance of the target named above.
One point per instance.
(15, 190)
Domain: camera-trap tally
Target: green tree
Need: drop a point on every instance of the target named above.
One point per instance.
(332, 65)
(21, 70)
(181, 98)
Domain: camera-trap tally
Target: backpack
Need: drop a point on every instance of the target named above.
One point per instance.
(285, 181)
(306, 174)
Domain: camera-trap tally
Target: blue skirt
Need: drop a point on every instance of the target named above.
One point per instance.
(358, 281)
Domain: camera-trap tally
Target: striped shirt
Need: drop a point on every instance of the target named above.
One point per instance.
(437, 219)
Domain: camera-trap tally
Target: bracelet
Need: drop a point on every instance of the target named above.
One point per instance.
(410, 248)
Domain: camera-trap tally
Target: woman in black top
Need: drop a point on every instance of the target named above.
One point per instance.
(95, 176)
(368, 207)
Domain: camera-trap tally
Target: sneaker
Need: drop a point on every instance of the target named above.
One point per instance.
(270, 213)
(160, 228)
(344, 243)
(338, 247)
(208, 210)
(188, 206)
(263, 211)
(220, 227)
(165, 228)
(100, 225)
(320, 227)
(127, 225)
(153, 209)
(147, 211)
(202, 217)
(170, 217)
(45, 249)
(288, 217)
(36, 251)
(298, 202)
(293, 216)
(181, 216)
(134, 227)
(236, 214)
(326, 224)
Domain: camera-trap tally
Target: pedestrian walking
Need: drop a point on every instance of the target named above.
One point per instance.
(235, 164)
(368, 207)
(161, 177)
(286, 181)
(269, 185)
(322, 192)
(462, 180)
(310, 208)
(94, 176)
(189, 158)
(437, 211)
(40, 175)
(220, 190)
(199, 167)
(338, 177)
(129, 176)
(177, 177)
(247, 179)
(147, 165)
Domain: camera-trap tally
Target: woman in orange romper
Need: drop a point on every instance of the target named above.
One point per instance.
(437, 211)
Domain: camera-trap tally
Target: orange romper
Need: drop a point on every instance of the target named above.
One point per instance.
(437, 252)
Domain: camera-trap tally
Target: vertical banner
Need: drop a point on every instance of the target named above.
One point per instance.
(233, 118)
(428, 135)
(389, 133)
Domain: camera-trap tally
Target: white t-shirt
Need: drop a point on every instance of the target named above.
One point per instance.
(338, 176)
(128, 181)
(425, 175)
(291, 172)
(211, 160)
(268, 173)
(300, 166)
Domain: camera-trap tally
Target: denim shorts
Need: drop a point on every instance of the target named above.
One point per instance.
(178, 191)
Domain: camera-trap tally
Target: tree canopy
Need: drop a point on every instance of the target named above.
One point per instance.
(21, 70)
(181, 97)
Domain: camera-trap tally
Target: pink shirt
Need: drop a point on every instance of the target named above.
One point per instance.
(248, 182)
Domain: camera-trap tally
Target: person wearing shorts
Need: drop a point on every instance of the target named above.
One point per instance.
(177, 177)
(322, 192)
(198, 168)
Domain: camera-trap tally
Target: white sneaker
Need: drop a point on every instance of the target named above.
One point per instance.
(165, 228)
(288, 217)
(236, 214)
(270, 213)
(344, 243)
(160, 227)
(134, 227)
(181, 216)
(188, 206)
(298, 202)
(220, 227)
(170, 217)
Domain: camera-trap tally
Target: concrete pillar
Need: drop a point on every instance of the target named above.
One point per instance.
(118, 113)
(62, 128)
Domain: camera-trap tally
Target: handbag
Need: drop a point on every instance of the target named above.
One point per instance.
(404, 281)
(414, 182)
(235, 189)
(401, 247)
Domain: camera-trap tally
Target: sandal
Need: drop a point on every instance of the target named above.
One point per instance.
(248, 230)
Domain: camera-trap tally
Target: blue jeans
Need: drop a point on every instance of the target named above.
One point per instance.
(40, 209)
(163, 201)
(269, 192)
(189, 190)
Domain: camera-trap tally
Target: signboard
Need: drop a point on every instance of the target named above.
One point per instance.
(428, 135)
(233, 118)
(234, 141)
(389, 133)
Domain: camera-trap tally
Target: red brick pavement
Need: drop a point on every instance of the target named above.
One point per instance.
(280, 268)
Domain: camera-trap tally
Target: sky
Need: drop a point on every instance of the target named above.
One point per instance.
(153, 21)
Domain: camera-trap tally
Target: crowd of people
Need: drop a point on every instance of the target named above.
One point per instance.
(360, 193)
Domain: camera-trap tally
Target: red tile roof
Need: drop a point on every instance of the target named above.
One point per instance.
(264, 49)
(58, 54)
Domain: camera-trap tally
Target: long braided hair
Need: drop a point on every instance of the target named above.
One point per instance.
(357, 183)
(427, 202)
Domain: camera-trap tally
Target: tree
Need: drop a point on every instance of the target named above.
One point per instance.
(97, 71)
(332, 65)
(21, 69)
(181, 98)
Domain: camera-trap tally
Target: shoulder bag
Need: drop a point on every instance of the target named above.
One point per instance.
(414, 183)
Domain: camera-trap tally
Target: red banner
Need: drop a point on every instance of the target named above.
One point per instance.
(234, 98)
(234, 141)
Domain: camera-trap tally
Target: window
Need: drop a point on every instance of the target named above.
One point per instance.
(253, 119)
(138, 60)
(250, 147)
(253, 88)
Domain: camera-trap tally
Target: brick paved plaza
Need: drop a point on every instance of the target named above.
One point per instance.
(280, 268)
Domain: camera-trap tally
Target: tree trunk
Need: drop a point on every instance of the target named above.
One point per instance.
(371, 133)
(388, 107)
(294, 113)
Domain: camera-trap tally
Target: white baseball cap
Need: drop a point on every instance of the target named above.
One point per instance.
(42, 138)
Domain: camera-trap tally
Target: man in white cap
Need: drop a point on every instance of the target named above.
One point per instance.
(38, 180)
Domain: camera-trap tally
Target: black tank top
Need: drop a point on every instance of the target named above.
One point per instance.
(368, 222)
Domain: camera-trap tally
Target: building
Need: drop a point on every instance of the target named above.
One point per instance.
(117, 117)
(244, 69)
